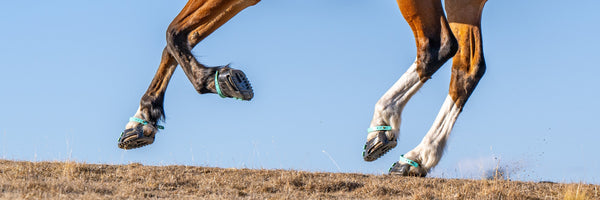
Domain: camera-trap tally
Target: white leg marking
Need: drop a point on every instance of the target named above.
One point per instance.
(389, 107)
(138, 114)
(148, 130)
(430, 150)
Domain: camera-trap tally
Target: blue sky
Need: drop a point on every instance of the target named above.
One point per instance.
(72, 73)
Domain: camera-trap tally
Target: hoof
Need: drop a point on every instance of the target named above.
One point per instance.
(378, 146)
(134, 138)
(233, 83)
(404, 169)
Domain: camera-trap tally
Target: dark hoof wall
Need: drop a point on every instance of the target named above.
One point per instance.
(134, 138)
(404, 169)
(378, 146)
(234, 84)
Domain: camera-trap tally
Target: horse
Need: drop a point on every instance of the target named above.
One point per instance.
(439, 36)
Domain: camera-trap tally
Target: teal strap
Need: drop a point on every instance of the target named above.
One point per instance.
(217, 84)
(144, 122)
(138, 120)
(409, 161)
(379, 128)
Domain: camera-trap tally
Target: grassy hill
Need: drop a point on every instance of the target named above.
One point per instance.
(70, 180)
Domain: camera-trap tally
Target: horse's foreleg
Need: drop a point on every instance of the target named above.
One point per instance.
(197, 20)
(467, 69)
(142, 127)
(435, 45)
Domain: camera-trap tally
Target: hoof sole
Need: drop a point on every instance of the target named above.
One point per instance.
(377, 147)
(134, 138)
(233, 83)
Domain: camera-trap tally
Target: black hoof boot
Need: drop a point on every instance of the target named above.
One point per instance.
(405, 169)
(378, 146)
(232, 83)
(134, 138)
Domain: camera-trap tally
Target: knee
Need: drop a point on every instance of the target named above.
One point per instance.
(175, 36)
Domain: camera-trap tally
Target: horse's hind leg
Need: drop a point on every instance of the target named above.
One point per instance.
(467, 69)
(435, 45)
(197, 20)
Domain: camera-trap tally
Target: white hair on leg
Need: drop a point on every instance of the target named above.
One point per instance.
(388, 109)
(138, 114)
(429, 152)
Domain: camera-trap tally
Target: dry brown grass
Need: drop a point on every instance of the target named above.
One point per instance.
(70, 180)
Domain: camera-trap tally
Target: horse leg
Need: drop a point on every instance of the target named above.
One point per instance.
(435, 45)
(468, 67)
(137, 133)
(197, 20)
